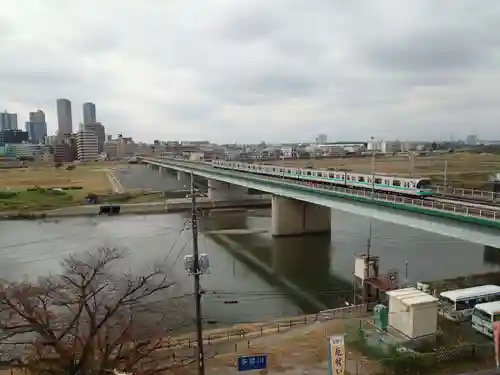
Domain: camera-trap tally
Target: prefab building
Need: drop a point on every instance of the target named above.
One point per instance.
(413, 312)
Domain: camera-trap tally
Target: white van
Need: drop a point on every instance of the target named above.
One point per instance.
(484, 315)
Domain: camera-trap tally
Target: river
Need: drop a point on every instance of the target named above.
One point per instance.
(253, 276)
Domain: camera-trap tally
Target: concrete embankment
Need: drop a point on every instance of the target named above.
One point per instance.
(162, 207)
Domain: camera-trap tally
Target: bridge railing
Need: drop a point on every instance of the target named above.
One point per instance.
(465, 193)
(456, 208)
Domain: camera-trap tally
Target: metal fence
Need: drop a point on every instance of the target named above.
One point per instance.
(256, 330)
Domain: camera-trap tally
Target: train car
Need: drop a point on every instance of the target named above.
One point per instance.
(382, 183)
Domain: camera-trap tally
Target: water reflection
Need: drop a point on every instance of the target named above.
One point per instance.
(491, 256)
(298, 266)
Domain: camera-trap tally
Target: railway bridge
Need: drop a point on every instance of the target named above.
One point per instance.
(300, 208)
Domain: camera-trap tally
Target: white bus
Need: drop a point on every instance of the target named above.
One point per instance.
(457, 305)
(484, 315)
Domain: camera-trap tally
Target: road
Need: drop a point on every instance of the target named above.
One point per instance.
(139, 177)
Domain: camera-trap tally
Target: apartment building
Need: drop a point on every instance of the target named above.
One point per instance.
(87, 145)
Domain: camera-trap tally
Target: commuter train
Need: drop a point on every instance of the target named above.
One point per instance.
(420, 187)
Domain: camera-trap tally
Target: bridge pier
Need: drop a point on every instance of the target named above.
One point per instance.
(292, 217)
(184, 178)
(218, 190)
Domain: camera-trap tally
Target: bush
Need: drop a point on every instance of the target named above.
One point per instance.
(58, 165)
(7, 194)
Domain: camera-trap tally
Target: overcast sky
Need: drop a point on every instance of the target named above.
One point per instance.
(251, 70)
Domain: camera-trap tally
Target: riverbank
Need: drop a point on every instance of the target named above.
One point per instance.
(142, 208)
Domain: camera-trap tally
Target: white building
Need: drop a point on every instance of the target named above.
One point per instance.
(471, 140)
(386, 147)
(288, 152)
(87, 145)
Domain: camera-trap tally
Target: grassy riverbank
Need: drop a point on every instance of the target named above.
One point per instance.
(39, 200)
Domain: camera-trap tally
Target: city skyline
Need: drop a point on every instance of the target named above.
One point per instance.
(256, 70)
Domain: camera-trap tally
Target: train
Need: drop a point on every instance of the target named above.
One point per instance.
(415, 187)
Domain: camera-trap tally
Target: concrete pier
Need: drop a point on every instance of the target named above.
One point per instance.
(184, 178)
(218, 190)
(294, 218)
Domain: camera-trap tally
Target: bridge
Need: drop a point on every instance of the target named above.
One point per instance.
(300, 208)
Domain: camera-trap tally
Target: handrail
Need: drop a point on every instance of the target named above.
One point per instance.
(456, 208)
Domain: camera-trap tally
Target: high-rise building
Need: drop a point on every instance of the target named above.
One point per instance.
(36, 127)
(37, 116)
(89, 116)
(8, 121)
(100, 132)
(86, 145)
(64, 118)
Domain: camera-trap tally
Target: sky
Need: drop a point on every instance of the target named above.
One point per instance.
(250, 70)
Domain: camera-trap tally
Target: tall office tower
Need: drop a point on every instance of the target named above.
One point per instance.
(89, 116)
(64, 118)
(8, 121)
(37, 127)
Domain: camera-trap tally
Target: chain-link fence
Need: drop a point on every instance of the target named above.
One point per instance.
(392, 357)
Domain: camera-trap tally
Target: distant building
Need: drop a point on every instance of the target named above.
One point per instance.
(87, 145)
(13, 136)
(64, 118)
(471, 140)
(122, 147)
(36, 127)
(40, 153)
(8, 121)
(288, 152)
(89, 113)
(98, 129)
(322, 139)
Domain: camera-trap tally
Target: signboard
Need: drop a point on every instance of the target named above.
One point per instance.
(496, 337)
(336, 348)
(254, 362)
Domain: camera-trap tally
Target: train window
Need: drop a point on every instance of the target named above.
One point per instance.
(387, 182)
(332, 175)
(378, 180)
(396, 183)
(308, 173)
(424, 184)
(361, 179)
(282, 170)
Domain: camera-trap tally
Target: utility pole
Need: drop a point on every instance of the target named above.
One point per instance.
(373, 172)
(446, 175)
(411, 155)
(197, 272)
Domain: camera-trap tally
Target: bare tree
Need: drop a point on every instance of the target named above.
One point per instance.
(89, 320)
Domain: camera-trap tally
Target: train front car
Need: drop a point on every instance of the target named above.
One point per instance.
(424, 187)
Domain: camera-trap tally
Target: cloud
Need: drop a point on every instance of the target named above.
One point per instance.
(253, 69)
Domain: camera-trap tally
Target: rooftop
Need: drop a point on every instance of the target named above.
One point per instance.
(412, 296)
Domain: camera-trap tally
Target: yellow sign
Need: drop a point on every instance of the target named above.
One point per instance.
(337, 355)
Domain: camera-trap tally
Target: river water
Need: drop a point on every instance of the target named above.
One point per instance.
(253, 276)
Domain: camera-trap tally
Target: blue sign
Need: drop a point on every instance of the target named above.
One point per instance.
(254, 362)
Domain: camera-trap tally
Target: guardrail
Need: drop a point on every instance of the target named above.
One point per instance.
(456, 208)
